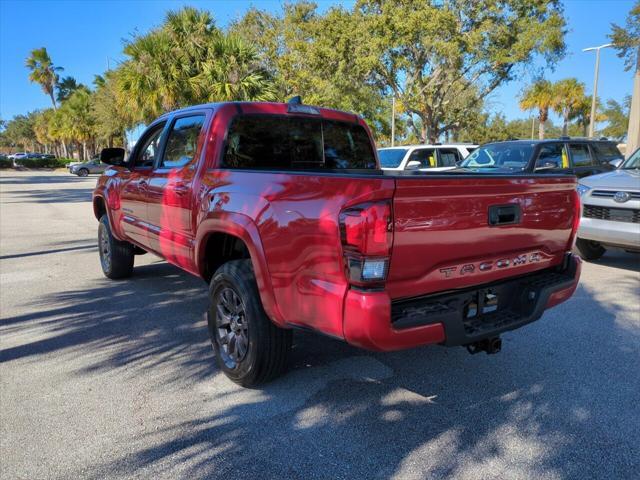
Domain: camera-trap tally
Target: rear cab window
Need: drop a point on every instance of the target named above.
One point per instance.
(280, 142)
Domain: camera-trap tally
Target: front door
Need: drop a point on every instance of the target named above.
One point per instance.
(170, 198)
(135, 182)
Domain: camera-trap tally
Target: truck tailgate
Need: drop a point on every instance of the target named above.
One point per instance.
(444, 239)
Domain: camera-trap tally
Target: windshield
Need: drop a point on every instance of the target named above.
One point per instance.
(515, 156)
(391, 157)
(633, 162)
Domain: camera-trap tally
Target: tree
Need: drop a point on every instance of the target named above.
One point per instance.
(539, 96)
(18, 132)
(44, 72)
(433, 54)
(617, 116)
(627, 41)
(568, 96)
(65, 87)
(187, 60)
(111, 120)
(76, 120)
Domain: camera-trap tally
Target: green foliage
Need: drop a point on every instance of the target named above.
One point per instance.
(627, 38)
(186, 61)
(43, 162)
(539, 96)
(442, 58)
(617, 116)
(5, 162)
(43, 71)
(66, 87)
(568, 98)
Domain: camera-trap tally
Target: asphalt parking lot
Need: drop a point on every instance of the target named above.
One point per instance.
(103, 379)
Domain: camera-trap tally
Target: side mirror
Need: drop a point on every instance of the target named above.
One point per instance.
(112, 156)
(616, 162)
(413, 165)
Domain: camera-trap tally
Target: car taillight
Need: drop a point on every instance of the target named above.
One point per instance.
(577, 213)
(366, 231)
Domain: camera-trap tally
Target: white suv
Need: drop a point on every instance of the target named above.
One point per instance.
(424, 157)
(610, 210)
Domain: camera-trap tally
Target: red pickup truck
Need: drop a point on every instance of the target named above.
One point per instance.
(283, 209)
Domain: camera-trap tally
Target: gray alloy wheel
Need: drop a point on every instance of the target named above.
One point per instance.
(232, 328)
(83, 172)
(116, 257)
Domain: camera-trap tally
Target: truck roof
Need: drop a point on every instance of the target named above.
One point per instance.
(274, 108)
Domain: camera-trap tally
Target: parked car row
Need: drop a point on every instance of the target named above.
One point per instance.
(27, 155)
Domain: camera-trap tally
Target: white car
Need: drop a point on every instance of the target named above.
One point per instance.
(424, 157)
(18, 155)
(610, 210)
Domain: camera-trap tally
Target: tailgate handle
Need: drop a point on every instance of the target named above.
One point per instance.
(504, 214)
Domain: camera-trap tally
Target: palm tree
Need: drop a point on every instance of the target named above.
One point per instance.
(539, 95)
(568, 95)
(232, 71)
(43, 72)
(66, 86)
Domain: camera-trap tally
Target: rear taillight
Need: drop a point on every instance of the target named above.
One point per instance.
(577, 213)
(366, 231)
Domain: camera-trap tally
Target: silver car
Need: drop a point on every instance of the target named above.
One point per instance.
(92, 166)
(610, 210)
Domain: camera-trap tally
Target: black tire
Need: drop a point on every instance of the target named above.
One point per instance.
(83, 172)
(116, 257)
(266, 346)
(589, 250)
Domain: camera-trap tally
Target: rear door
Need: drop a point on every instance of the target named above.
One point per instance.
(455, 231)
(172, 183)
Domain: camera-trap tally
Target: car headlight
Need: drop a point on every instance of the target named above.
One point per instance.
(582, 189)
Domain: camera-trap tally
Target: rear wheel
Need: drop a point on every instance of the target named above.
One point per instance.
(248, 347)
(116, 257)
(83, 172)
(589, 250)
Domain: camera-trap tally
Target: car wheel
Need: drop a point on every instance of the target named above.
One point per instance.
(248, 347)
(116, 257)
(83, 172)
(589, 250)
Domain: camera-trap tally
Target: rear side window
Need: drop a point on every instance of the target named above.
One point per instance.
(182, 141)
(580, 154)
(605, 152)
(449, 157)
(296, 143)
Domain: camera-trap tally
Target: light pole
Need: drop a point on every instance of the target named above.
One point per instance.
(595, 85)
(393, 119)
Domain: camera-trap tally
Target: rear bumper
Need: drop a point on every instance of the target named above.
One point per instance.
(624, 234)
(373, 321)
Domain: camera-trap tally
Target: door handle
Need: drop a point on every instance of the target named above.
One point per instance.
(180, 189)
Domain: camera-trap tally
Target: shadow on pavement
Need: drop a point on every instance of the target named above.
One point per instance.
(345, 413)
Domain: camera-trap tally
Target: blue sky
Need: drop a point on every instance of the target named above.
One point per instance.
(83, 35)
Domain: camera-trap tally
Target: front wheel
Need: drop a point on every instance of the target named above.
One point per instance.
(589, 250)
(248, 347)
(116, 257)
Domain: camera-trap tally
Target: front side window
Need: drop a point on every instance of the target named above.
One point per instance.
(391, 157)
(182, 141)
(296, 143)
(552, 155)
(149, 150)
(580, 154)
(426, 157)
